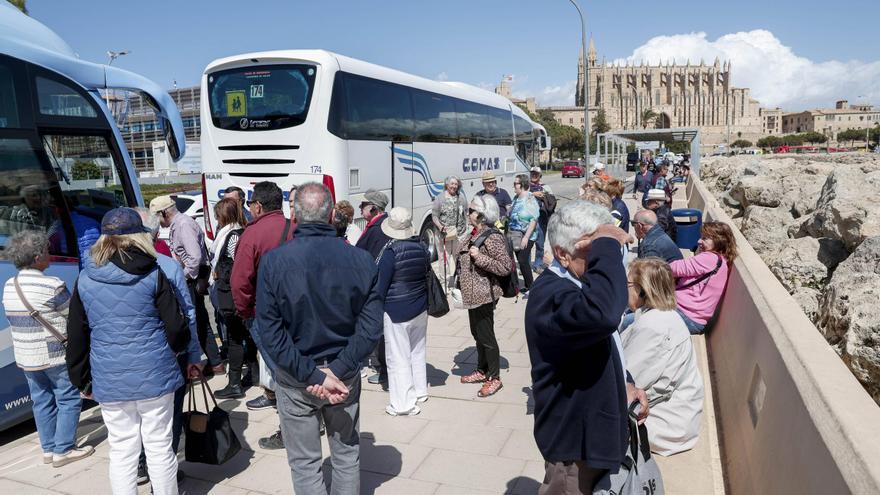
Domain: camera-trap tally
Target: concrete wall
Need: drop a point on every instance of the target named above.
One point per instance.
(791, 416)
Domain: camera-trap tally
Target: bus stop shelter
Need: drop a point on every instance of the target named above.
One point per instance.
(611, 146)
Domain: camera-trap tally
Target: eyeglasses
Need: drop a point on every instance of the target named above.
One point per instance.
(471, 211)
(252, 202)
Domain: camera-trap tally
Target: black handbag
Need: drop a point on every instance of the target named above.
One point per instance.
(438, 305)
(209, 436)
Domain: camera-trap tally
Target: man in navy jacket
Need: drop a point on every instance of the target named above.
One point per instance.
(578, 374)
(319, 314)
(653, 240)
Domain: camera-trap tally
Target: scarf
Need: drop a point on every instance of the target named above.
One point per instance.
(219, 241)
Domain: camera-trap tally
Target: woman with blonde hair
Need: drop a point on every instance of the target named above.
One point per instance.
(661, 359)
(702, 279)
(125, 329)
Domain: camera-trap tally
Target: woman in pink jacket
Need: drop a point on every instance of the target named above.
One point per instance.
(701, 279)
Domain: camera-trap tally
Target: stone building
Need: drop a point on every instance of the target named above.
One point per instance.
(830, 121)
(772, 118)
(689, 95)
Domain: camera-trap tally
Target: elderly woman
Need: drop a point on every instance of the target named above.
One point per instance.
(701, 279)
(449, 215)
(38, 345)
(661, 358)
(403, 266)
(482, 260)
(579, 382)
(524, 213)
(343, 220)
(126, 327)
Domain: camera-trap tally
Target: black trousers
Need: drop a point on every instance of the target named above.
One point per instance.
(203, 326)
(241, 348)
(525, 268)
(482, 320)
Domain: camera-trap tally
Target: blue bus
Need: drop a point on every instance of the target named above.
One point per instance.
(62, 159)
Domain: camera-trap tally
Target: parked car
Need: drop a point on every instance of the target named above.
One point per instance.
(632, 161)
(573, 168)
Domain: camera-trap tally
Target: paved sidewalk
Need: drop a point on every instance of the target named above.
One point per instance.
(460, 444)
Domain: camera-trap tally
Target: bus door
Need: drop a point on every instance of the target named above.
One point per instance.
(404, 164)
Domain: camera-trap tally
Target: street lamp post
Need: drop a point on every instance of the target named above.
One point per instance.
(112, 56)
(586, 83)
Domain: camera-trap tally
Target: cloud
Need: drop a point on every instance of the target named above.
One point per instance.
(557, 95)
(773, 72)
(443, 76)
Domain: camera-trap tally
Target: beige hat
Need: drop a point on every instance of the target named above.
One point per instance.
(489, 176)
(536, 170)
(161, 203)
(398, 225)
(598, 166)
(658, 194)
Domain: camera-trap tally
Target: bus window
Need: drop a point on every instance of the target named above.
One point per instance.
(524, 138)
(8, 104)
(29, 197)
(262, 97)
(473, 122)
(434, 117)
(58, 99)
(87, 173)
(500, 126)
(377, 110)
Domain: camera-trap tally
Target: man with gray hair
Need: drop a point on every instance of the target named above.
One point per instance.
(579, 377)
(653, 240)
(316, 328)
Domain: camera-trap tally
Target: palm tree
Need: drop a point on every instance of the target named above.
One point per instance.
(648, 116)
(20, 5)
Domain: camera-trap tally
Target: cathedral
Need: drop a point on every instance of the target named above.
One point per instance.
(690, 95)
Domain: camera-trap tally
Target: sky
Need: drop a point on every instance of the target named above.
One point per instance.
(794, 54)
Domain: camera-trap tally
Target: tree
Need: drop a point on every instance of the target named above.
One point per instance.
(851, 135)
(20, 5)
(770, 142)
(793, 140)
(83, 169)
(600, 125)
(741, 143)
(813, 137)
(649, 116)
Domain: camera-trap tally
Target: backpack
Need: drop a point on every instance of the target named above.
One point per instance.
(509, 283)
(222, 284)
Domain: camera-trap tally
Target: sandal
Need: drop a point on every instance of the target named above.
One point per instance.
(475, 377)
(491, 386)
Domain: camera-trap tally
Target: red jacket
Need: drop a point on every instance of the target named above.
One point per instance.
(261, 236)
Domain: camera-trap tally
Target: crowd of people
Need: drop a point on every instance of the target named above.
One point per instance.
(602, 331)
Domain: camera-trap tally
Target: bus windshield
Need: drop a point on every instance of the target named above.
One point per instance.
(261, 98)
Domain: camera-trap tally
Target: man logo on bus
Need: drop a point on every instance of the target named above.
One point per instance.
(243, 123)
(475, 164)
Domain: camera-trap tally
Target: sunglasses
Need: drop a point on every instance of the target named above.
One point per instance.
(365, 205)
(471, 210)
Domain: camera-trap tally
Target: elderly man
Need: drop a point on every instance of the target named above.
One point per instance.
(580, 384)
(653, 241)
(188, 248)
(547, 201)
(239, 195)
(656, 202)
(317, 340)
(490, 187)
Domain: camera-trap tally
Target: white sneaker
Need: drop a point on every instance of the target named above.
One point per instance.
(72, 455)
(47, 458)
(421, 399)
(412, 412)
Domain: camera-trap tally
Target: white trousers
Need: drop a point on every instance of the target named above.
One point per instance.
(128, 423)
(405, 356)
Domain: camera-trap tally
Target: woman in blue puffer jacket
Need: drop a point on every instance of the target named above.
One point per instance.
(124, 331)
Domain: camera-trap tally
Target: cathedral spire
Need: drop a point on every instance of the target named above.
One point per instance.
(591, 53)
(717, 63)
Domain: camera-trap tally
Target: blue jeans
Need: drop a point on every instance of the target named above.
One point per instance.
(539, 246)
(693, 327)
(56, 408)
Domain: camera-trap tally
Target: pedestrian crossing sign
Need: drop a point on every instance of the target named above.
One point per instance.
(236, 104)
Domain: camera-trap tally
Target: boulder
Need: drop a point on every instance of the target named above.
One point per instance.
(806, 262)
(808, 299)
(847, 208)
(800, 192)
(848, 317)
(766, 229)
(757, 190)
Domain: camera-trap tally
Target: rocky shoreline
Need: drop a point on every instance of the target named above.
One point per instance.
(815, 220)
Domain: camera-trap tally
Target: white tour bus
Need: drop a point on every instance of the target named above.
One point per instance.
(294, 116)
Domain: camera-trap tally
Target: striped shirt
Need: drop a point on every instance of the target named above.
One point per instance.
(35, 347)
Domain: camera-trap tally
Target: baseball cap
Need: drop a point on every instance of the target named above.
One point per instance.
(121, 221)
(161, 203)
(656, 194)
(598, 166)
(536, 170)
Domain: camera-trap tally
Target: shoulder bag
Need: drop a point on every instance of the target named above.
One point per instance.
(639, 473)
(33, 313)
(703, 276)
(210, 438)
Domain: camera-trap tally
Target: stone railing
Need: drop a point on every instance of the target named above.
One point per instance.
(792, 418)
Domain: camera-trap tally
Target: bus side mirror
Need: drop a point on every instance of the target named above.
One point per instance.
(544, 143)
(170, 140)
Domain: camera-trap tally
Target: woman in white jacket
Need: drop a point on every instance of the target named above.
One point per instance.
(661, 359)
